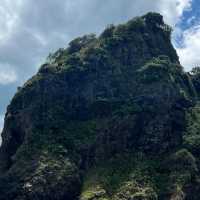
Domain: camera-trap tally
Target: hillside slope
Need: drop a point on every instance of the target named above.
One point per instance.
(112, 117)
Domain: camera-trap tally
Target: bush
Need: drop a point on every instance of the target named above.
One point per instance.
(108, 32)
(80, 42)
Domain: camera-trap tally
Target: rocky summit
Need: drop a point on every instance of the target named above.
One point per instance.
(113, 117)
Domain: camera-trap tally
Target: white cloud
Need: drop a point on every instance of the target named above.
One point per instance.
(182, 5)
(173, 10)
(189, 51)
(7, 74)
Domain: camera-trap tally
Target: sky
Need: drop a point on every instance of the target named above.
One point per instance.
(31, 29)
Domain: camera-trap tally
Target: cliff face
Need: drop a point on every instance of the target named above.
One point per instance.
(108, 118)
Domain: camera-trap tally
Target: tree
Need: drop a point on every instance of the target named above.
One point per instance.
(80, 42)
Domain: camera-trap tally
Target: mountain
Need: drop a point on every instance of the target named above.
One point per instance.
(113, 117)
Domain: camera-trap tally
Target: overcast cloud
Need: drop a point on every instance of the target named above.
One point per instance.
(31, 29)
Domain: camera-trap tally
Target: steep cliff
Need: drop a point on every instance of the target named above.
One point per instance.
(112, 117)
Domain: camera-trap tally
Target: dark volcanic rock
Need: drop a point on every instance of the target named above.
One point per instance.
(108, 118)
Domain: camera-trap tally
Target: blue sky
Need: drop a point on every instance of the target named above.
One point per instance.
(190, 16)
(31, 29)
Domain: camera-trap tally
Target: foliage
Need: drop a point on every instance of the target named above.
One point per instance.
(191, 137)
(108, 32)
(81, 42)
(119, 173)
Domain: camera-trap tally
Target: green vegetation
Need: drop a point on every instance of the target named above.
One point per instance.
(192, 133)
(125, 174)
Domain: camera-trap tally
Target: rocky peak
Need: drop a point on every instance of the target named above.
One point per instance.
(108, 117)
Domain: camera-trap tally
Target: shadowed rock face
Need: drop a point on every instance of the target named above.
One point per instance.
(108, 118)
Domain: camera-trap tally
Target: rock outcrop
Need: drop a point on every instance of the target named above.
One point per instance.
(113, 117)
